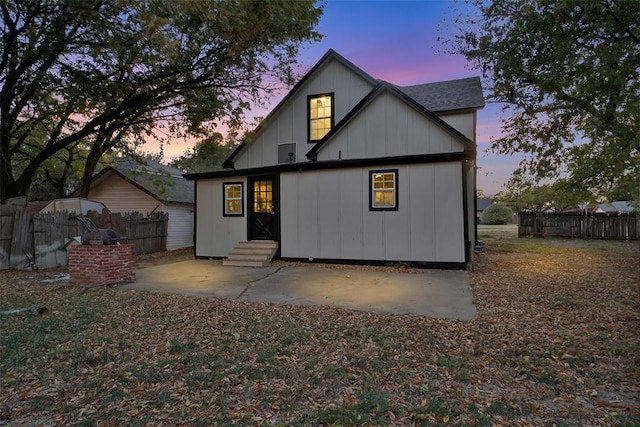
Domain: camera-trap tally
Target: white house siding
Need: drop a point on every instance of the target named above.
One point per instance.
(180, 227)
(119, 195)
(217, 234)
(289, 124)
(325, 214)
(465, 123)
(389, 127)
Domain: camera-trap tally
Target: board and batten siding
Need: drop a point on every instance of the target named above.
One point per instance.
(180, 226)
(465, 123)
(217, 234)
(330, 218)
(119, 196)
(389, 127)
(290, 123)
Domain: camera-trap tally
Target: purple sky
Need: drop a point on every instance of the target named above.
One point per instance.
(397, 41)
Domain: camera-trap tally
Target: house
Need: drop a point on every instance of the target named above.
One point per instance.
(619, 207)
(348, 168)
(482, 203)
(128, 186)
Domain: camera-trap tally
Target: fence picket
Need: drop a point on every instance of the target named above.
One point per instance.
(29, 240)
(624, 227)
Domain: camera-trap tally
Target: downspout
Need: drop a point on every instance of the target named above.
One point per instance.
(465, 211)
(195, 216)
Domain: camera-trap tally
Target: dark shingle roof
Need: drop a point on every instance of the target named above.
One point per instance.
(483, 203)
(450, 95)
(163, 182)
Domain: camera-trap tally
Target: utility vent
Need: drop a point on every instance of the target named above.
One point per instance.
(287, 153)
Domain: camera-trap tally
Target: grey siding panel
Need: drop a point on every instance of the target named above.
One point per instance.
(325, 214)
(449, 238)
(329, 210)
(354, 202)
(389, 127)
(463, 122)
(206, 200)
(180, 227)
(289, 124)
(217, 234)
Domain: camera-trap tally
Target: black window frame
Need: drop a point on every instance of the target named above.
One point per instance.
(373, 208)
(224, 199)
(333, 109)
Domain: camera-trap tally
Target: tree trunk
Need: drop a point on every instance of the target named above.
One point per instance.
(90, 164)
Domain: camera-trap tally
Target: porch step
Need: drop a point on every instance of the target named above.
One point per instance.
(254, 253)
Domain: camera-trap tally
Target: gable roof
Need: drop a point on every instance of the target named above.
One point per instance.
(447, 96)
(330, 55)
(164, 183)
(384, 87)
(439, 97)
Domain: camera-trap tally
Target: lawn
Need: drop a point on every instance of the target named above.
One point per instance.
(556, 342)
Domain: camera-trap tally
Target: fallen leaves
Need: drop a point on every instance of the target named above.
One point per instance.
(555, 342)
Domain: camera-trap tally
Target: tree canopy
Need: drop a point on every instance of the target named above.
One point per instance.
(206, 155)
(521, 194)
(106, 74)
(567, 74)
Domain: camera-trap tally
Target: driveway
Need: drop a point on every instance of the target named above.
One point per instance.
(435, 293)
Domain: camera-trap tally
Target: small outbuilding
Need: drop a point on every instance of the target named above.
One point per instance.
(146, 186)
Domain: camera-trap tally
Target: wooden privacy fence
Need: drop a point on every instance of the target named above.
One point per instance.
(39, 240)
(624, 227)
(147, 233)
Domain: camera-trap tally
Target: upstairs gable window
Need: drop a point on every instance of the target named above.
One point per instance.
(320, 116)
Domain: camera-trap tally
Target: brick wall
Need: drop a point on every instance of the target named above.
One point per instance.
(99, 265)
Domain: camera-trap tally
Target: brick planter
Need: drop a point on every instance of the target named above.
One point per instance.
(99, 265)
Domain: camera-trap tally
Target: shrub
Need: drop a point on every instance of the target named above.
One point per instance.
(497, 214)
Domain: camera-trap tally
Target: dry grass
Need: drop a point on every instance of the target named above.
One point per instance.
(555, 343)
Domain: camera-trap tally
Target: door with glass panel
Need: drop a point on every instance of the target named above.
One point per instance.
(264, 218)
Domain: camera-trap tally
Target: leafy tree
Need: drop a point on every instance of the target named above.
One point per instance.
(562, 194)
(626, 189)
(567, 73)
(206, 155)
(497, 214)
(111, 72)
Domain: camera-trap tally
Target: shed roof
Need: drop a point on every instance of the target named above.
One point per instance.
(163, 182)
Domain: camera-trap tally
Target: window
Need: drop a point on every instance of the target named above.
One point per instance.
(233, 199)
(320, 116)
(262, 197)
(383, 190)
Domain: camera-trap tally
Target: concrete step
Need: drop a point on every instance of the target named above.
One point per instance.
(256, 253)
(232, 263)
(257, 244)
(249, 257)
(251, 251)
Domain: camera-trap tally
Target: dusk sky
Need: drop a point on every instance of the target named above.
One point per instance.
(397, 41)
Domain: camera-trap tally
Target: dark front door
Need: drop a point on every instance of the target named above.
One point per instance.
(264, 204)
